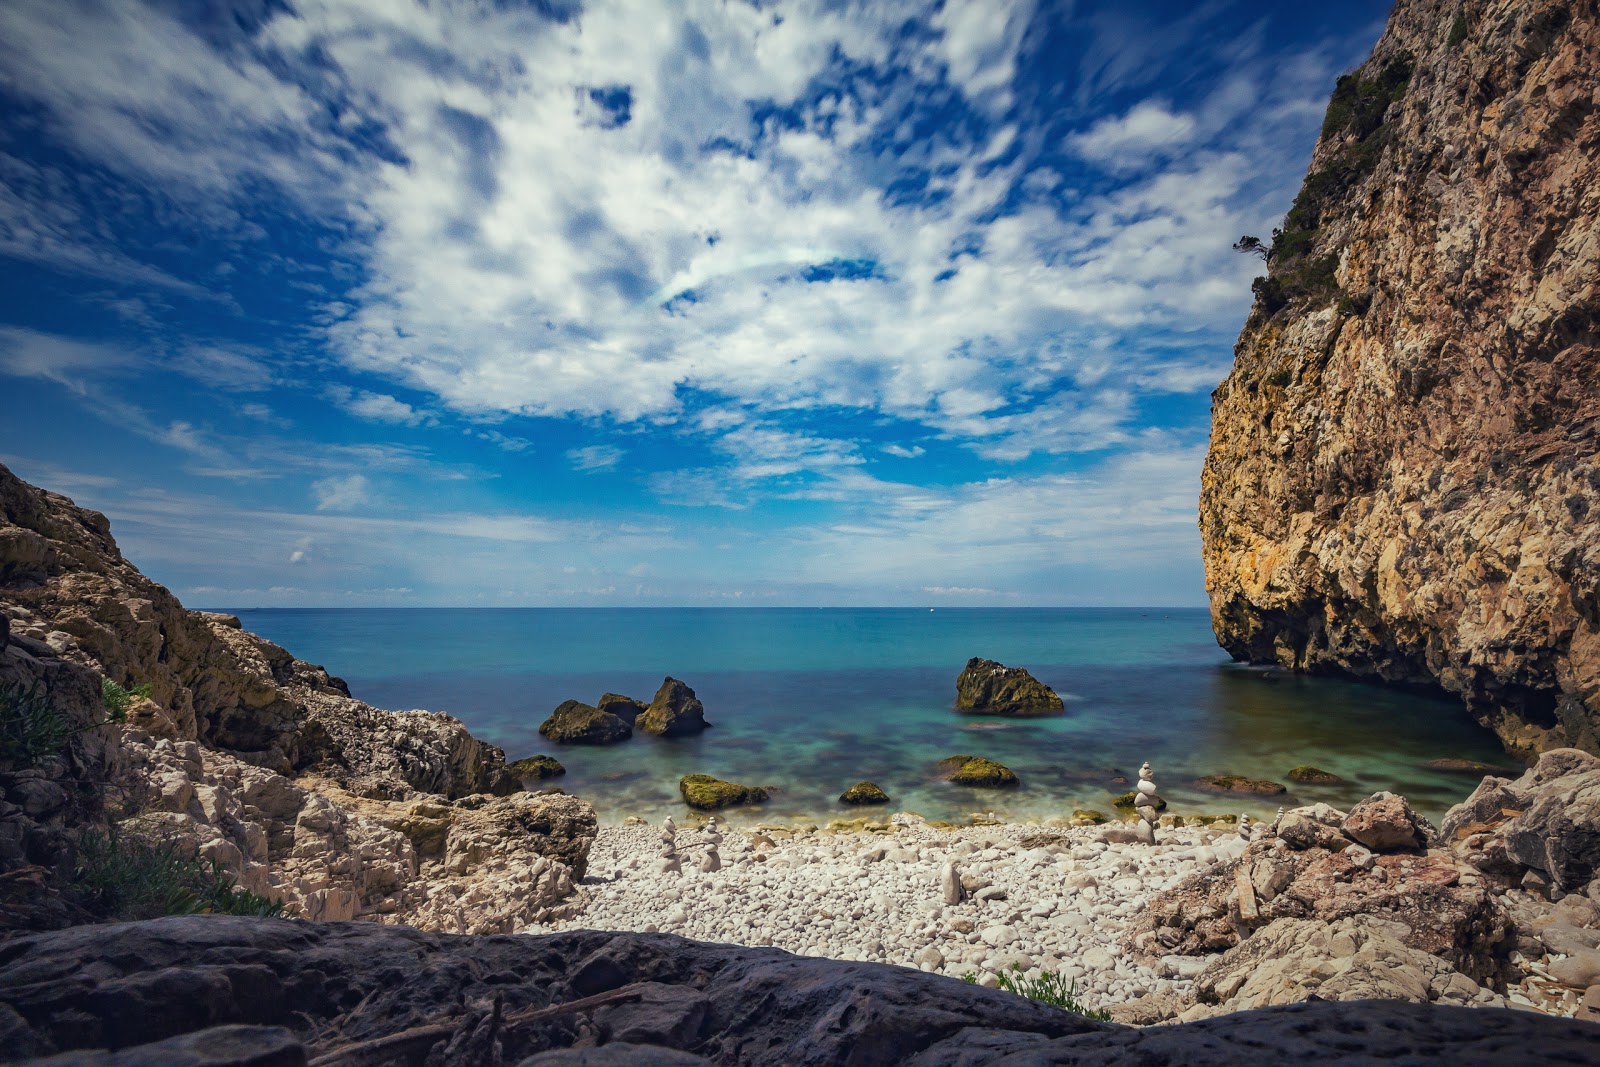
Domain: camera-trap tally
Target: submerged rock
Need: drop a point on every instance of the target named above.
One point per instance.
(864, 793)
(1467, 766)
(1129, 802)
(539, 767)
(975, 771)
(989, 688)
(1235, 783)
(675, 712)
(1314, 776)
(708, 794)
(576, 723)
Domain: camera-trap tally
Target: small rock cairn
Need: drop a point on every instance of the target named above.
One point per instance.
(1146, 803)
(671, 861)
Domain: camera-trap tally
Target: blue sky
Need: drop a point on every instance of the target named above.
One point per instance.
(355, 302)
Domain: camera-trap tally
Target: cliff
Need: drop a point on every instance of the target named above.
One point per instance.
(232, 751)
(1402, 483)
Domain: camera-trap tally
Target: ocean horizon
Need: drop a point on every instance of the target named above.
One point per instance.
(808, 701)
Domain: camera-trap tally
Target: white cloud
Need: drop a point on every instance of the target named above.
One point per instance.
(1131, 140)
(594, 457)
(341, 493)
(904, 452)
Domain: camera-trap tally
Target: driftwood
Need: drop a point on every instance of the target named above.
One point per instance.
(1247, 895)
(418, 1038)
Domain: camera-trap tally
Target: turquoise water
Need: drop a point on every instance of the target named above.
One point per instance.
(813, 700)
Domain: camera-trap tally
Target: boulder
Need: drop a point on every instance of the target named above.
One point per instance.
(975, 771)
(985, 687)
(708, 794)
(1317, 826)
(537, 767)
(1313, 776)
(576, 723)
(1235, 783)
(1384, 822)
(1559, 833)
(625, 708)
(675, 712)
(864, 793)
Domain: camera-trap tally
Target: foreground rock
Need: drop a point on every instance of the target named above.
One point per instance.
(985, 687)
(331, 986)
(1545, 824)
(1402, 481)
(675, 712)
(245, 756)
(976, 771)
(576, 723)
(537, 767)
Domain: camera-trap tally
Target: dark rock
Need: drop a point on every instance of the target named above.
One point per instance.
(675, 712)
(538, 767)
(864, 793)
(985, 687)
(615, 1054)
(576, 723)
(1559, 833)
(706, 793)
(625, 708)
(219, 1046)
(1234, 783)
(1466, 766)
(974, 771)
(1129, 801)
(1384, 822)
(668, 1015)
(1313, 776)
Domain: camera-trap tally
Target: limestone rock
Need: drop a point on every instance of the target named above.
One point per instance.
(985, 687)
(1403, 480)
(1547, 821)
(1317, 826)
(708, 794)
(1235, 783)
(675, 712)
(576, 723)
(1384, 822)
(975, 771)
(864, 793)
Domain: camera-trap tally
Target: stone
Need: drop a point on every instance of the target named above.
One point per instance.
(1580, 970)
(950, 884)
(1234, 783)
(706, 793)
(1466, 766)
(864, 793)
(615, 1054)
(537, 768)
(1305, 775)
(1589, 1007)
(975, 771)
(1384, 822)
(576, 723)
(625, 708)
(218, 1046)
(1316, 826)
(674, 712)
(985, 687)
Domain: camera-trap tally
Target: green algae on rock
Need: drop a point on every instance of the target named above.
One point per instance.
(975, 771)
(675, 711)
(1128, 802)
(864, 793)
(1237, 783)
(576, 723)
(985, 687)
(1307, 775)
(705, 793)
(540, 767)
(625, 708)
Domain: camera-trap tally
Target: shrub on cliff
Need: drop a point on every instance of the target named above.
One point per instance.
(33, 729)
(126, 877)
(1048, 988)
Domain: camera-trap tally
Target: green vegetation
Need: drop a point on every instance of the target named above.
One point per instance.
(1355, 117)
(117, 699)
(1458, 31)
(32, 728)
(125, 877)
(708, 794)
(1048, 988)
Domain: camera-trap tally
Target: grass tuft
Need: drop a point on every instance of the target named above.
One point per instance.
(1048, 988)
(128, 876)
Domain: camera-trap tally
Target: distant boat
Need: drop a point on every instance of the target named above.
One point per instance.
(930, 611)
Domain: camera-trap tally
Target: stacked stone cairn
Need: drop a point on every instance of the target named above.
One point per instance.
(669, 862)
(712, 860)
(1146, 804)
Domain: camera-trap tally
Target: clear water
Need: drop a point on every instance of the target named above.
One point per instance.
(813, 700)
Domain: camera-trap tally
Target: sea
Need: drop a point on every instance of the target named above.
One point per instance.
(808, 701)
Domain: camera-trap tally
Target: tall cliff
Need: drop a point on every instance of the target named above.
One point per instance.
(1402, 483)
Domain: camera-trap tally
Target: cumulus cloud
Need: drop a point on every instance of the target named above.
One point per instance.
(1131, 140)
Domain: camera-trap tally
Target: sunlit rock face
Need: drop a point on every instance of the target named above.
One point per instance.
(1402, 483)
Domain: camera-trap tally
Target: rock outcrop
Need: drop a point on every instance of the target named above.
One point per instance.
(603, 998)
(243, 755)
(1545, 823)
(1402, 482)
(977, 771)
(864, 793)
(985, 687)
(675, 712)
(706, 793)
(576, 723)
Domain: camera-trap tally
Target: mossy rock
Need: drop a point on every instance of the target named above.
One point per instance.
(1469, 766)
(706, 793)
(989, 688)
(1314, 776)
(539, 767)
(625, 708)
(975, 771)
(577, 723)
(864, 793)
(1087, 817)
(675, 712)
(1129, 801)
(1238, 783)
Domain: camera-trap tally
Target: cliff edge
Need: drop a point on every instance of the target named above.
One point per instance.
(1402, 483)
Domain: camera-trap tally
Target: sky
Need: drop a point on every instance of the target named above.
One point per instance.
(642, 302)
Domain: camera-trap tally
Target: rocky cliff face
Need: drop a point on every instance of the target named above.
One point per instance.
(242, 754)
(1402, 483)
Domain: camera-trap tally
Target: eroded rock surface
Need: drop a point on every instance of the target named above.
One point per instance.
(985, 687)
(1402, 483)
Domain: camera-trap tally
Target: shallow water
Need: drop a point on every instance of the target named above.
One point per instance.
(812, 700)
